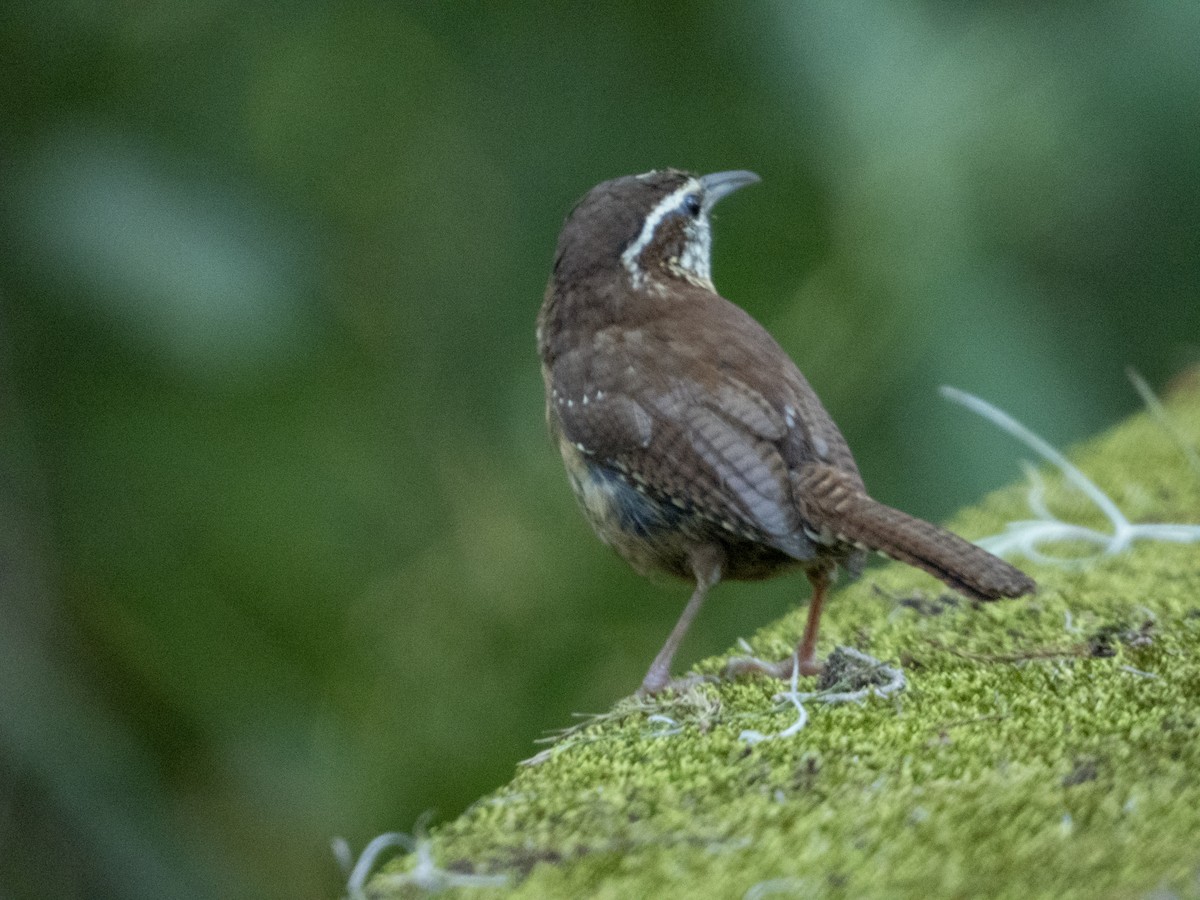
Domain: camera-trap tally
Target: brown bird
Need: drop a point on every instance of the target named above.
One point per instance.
(692, 441)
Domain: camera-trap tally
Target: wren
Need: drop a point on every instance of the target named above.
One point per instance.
(694, 445)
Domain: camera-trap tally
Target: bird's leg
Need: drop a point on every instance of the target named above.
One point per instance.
(708, 573)
(806, 651)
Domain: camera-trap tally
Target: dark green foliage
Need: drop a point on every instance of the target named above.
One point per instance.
(284, 552)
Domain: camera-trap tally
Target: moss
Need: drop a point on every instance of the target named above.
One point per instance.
(1048, 746)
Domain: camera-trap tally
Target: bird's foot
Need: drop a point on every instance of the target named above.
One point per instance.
(784, 669)
(653, 686)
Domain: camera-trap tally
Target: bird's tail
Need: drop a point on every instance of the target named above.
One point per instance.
(831, 502)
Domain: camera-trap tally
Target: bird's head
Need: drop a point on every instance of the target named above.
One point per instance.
(652, 227)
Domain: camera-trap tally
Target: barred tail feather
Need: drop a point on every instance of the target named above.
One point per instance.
(830, 501)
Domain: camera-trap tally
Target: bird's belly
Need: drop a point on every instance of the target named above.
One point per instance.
(658, 536)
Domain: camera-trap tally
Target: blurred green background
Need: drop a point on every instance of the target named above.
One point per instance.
(284, 550)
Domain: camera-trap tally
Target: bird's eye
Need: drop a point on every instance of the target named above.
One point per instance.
(692, 204)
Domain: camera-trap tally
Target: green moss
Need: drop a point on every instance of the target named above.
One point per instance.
(1048, 746)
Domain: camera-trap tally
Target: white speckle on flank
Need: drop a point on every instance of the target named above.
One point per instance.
(821, 446)
(789, 416)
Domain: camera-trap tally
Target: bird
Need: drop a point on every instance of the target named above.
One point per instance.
(694, 445)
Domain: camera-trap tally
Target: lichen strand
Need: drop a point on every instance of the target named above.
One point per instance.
(1048, 746)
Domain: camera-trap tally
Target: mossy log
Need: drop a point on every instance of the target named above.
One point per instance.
(1043, 747)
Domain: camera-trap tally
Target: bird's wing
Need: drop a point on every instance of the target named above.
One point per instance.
(705, 441)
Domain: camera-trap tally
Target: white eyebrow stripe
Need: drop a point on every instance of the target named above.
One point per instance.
(670, 202)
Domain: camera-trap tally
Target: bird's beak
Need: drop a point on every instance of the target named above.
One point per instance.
(722, 184)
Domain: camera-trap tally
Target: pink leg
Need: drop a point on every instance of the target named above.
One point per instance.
(659, 677)
(806, 650)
